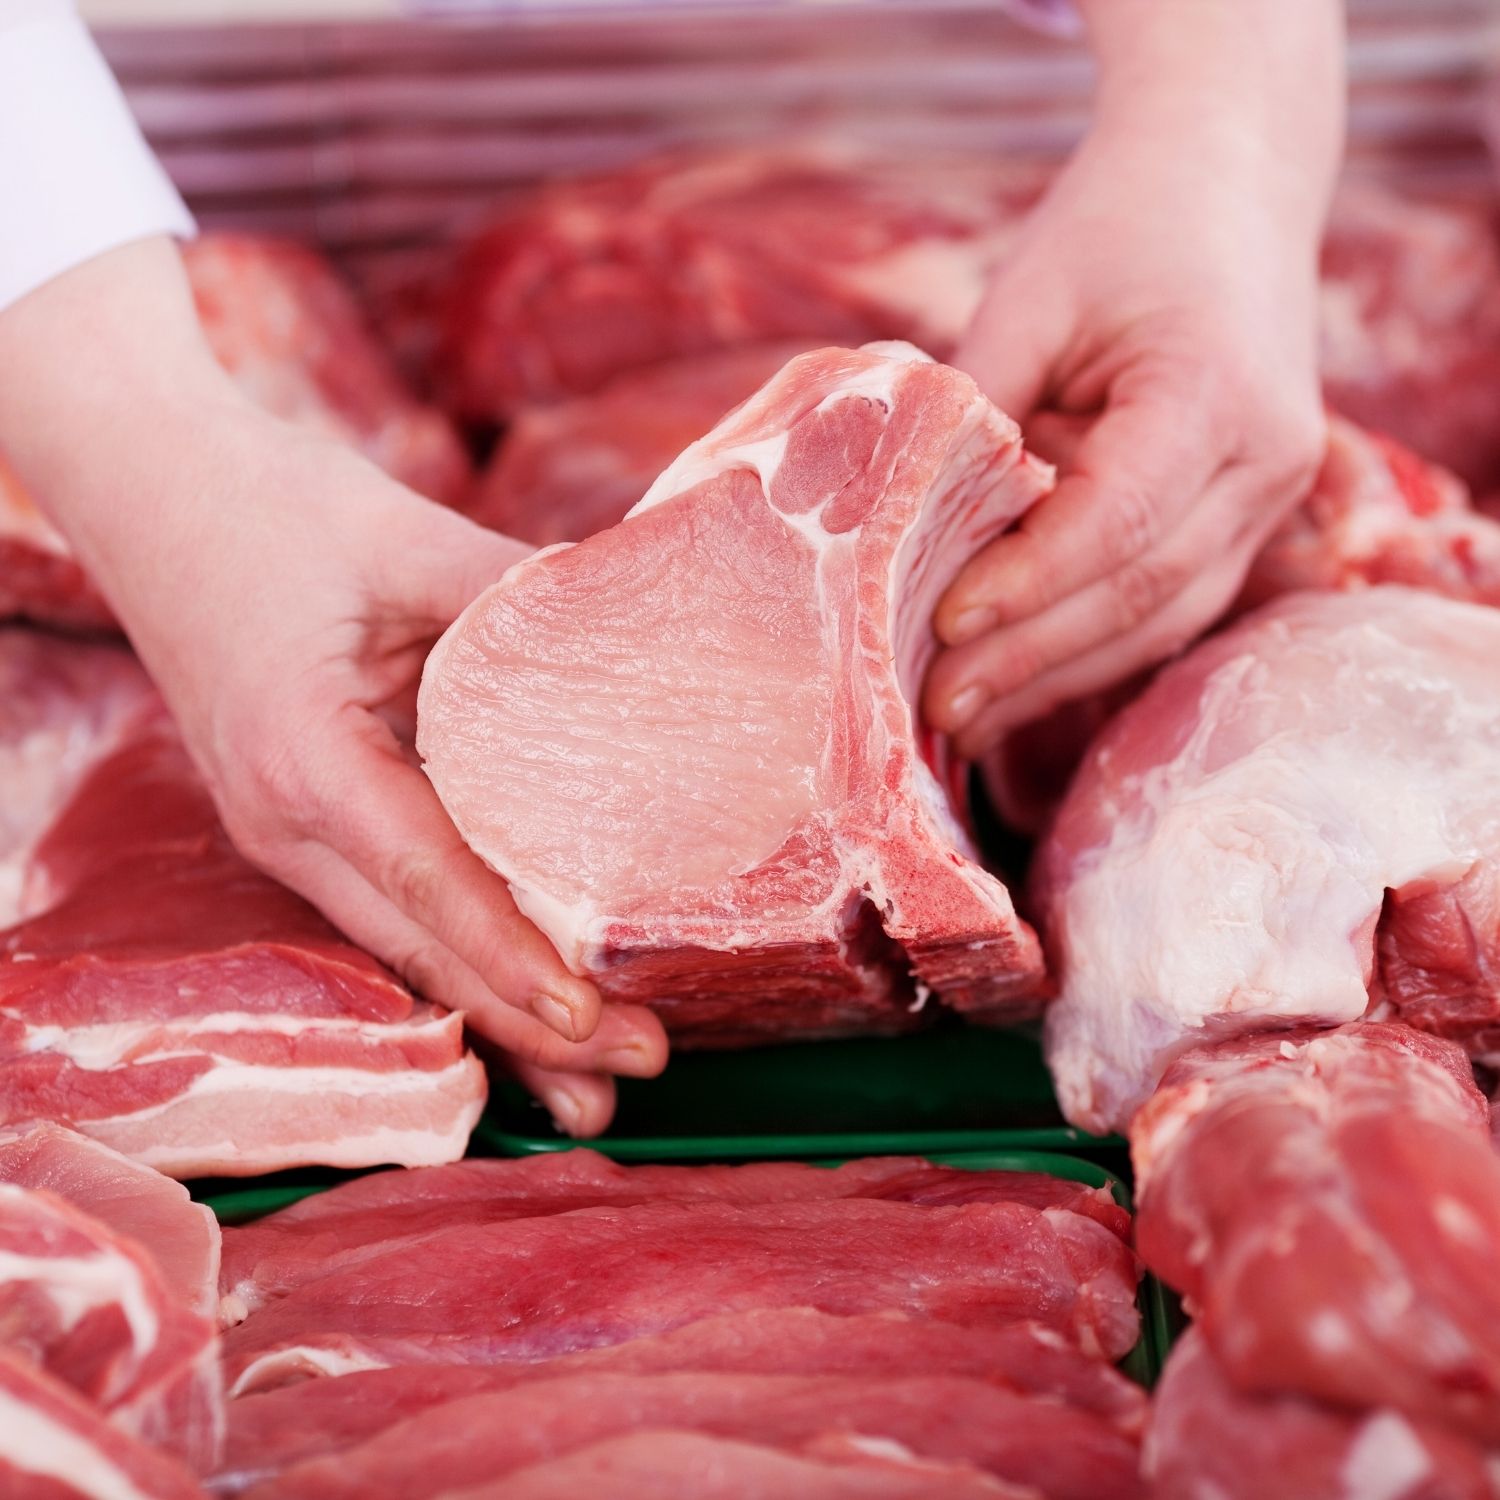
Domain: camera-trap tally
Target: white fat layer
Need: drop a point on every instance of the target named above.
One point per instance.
(1387, 1460)
(458, 1089)
(33, 1443)
(301, 1360)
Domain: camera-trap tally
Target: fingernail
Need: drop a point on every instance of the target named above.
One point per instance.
(623, 1059)
(554, 1014)
(566, 1111)
(966, 703)
(972, 622)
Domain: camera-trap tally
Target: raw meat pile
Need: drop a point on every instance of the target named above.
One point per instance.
(747, 836)
(157, 992)
(282, 323)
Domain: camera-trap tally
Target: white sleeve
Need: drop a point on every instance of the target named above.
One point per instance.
(76, 176)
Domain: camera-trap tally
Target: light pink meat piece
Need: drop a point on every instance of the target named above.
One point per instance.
(1329, 1205)
(1209, 1441)
(39, 577)
(332, 1232)
(167, 999)
(700, 251)
(537, 1288)
(93, 1310)
(55, 1446)
(666, 1465)
(738, 825)
(316, 1418)
(152, 1211)
(564, 471)
(1410, 315)
(1299, 815)
(1050, 1448)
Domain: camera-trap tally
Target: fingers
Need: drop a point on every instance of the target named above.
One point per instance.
(1141, 466)
(581, 1104)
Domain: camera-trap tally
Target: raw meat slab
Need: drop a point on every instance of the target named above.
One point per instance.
(688, 742)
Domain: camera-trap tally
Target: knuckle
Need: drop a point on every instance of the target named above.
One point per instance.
(1139, 588)
(415, 880)
(1132, 522)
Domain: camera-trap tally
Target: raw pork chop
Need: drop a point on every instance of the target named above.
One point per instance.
(668, 1465)
(55, 1446)
(154, 1212)
(1410, 315)
(688, 742)
(334, 1231)
(1301, 813)
(563, 472)
(93, 1309)
(1211, 1442)
(164, 997)
(1329, 1205)
(272, 1430)
(536, 1288)
(281, 322)
(710, 250)
(1058, 1452)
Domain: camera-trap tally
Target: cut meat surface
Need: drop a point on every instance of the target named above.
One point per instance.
(1410, 315)
(167, 999)
(1329, 1205)
(93, 1310)
(1049, 1448)
(314, 1419)
(515, 1292)
(1300, 814)
(332, 1232)
(739, 825)
(55, 1446)
(150, 1210)
(565, 471)
(1210, 1442)
(703, 251)
(689, 1466)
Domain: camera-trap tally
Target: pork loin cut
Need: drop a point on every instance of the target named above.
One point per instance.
(164, 997)
(1299, 815)
(1329, 1205)
(688, 742)
(93, 1309)
(55, 1445)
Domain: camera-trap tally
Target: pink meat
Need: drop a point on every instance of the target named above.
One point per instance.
(567, 470)
(537, 1288)
(331, 1232)
(668, 1465)
(154, 1212)
(272, 1430)
(167, 999)
(1207, 1439)
(1058, 1452)
(55, 1446)
(1410, 316)
(1329, 1205)
(1299, 816)
(93, 1310)
(709, 250)
(739, 826)
(39, 577)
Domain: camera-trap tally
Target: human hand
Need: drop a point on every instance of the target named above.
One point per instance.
(1154, 331)
(284, 594)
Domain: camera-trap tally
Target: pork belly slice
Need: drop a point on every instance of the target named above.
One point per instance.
(689, 744)
(1034, 1443)
(55, 1445)
(164, 997)
(1208, 1439)
(94, 1310)
(1329, 1205)
(1298, 819)
(275, 1429)
(337, 1230)
(537, 1288)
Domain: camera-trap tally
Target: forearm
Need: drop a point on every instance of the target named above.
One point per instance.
(1258, 86)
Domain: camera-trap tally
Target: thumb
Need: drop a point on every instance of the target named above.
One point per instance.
(1013, 342)
(446, 561)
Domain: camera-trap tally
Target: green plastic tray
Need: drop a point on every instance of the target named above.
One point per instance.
(955, 1088)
